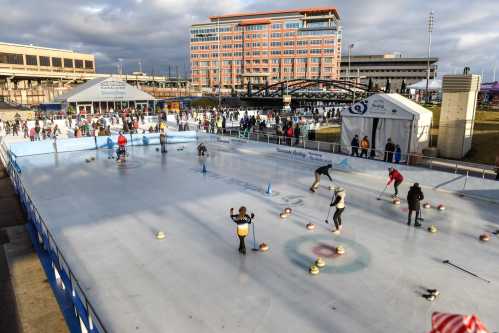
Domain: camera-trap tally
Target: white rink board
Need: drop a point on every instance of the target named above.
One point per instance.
(104, 219)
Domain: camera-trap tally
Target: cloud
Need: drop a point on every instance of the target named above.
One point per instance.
(156, 32)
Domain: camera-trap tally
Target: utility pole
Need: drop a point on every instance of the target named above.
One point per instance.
(350, 47)
(494, 72)
(431, 21)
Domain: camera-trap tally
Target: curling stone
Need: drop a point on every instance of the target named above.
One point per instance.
(396, 201)
(283, 215)
(314, 270)
(310, 226)
(320, 263)
(92, 158)
(432, 229)
(157, 149)
(87, 160)
(441, 207)
(288, 210)
(340, 250)
(160, 235)
(484, 238)
(426, 205)
(264, 247)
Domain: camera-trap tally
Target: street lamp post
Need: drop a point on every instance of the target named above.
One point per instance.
(431, 21)
(350, 47)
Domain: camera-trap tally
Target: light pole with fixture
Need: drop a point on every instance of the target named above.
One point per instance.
(431, 21)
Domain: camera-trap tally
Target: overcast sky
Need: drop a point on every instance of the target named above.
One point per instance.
(466, 32)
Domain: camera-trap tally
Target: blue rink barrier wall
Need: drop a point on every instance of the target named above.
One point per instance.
(85, 318)
(473, 187)
(100, 142)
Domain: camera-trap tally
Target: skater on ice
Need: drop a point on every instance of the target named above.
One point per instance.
(324, 170)
(121, 151)
(414, 197)
(394, 176)
(162, 141)
(339, 203)
(243, 221)
(202, 150)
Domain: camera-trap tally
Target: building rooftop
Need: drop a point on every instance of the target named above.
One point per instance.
(279, 12)
(37, 47)
(384, 58)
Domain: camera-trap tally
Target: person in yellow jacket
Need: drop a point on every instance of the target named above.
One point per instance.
(243, 221)
(339, 203)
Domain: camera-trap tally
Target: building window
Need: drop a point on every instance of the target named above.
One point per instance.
(315, 51)
(89, 64)
(316, 42)
(56, 62)
(277, 26)
(275, 35)
(11, 59)
(292, 25)
(288, 60)
(68, 63)
(289, 43)
(31, 60)
(44, 61)
(289, 51)
(78, 63)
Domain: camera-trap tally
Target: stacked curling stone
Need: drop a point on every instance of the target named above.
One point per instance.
(285, 213)
(315, 267)
(340, 250)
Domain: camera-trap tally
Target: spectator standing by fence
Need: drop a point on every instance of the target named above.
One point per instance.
(389, 149)
(355, 146)
(364, 145)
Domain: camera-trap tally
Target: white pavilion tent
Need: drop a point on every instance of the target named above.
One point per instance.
(384, 116)
(104, 94)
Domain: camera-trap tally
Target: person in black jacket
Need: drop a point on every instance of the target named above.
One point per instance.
(389, 149)
(355, 146)
(324, 170)
(243, 221)
(414, 197)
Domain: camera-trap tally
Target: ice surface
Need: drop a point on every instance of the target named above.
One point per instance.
(105, 217)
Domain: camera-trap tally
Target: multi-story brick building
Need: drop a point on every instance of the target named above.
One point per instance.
(266, 47)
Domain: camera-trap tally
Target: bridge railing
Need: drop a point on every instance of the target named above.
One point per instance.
(418, 160)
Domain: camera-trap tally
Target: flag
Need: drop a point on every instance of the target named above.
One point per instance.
(454, 323)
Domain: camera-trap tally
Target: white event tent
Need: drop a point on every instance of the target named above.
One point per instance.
(384, 116)
(103, 94)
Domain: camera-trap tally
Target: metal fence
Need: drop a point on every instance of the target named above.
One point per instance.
(417, 160)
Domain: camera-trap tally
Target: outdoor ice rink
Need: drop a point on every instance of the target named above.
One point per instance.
(105, 217)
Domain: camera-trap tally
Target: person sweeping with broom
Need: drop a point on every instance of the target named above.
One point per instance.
(243, 221)
(394, 176)
(324, 170)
